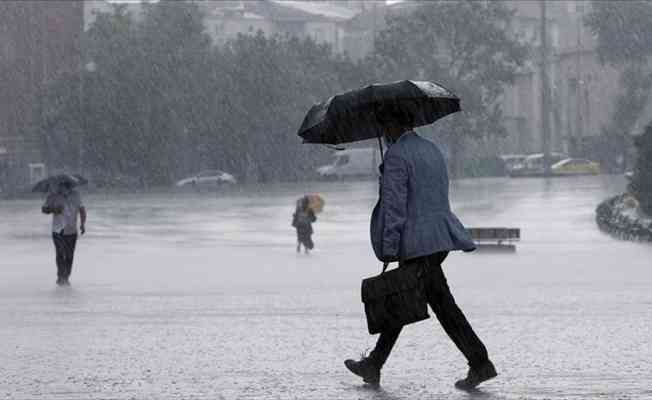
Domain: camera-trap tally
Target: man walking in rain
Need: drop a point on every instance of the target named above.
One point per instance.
(64, 203)
(415, 225)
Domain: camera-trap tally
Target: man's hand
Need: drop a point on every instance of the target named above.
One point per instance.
(82, 214)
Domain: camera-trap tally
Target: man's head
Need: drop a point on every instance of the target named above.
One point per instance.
(394, 131)
(65, 187)
(394, 122)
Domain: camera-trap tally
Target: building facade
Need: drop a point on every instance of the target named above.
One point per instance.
(347, 26)
(582, 91)
(39, 40)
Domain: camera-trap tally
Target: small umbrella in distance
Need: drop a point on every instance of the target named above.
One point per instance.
(315, 203)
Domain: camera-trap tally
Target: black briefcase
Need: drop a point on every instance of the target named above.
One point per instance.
(395, 298)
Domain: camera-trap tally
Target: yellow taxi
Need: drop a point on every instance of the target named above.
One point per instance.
(575, 166)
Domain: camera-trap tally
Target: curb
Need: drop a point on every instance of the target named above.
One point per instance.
(612, 220)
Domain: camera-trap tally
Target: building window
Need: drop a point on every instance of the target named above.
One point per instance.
(578, 7)
(7, 49)
(36, 172)
(572, 84)
(570, 7)
(554, 33)
(318, 35)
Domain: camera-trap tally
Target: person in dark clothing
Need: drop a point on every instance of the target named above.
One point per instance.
(64, 246)
(448, 313)
(302, 220)
(65, 204)
(413, 224)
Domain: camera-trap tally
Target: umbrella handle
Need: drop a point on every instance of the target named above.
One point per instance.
(380, 144)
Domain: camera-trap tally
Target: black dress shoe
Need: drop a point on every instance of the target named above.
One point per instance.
(476, 376)
(365, 369)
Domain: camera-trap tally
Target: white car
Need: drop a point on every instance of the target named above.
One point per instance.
(211, 177)
(354, 162)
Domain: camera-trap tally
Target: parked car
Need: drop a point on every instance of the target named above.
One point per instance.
(513, 161)
(352, 163)
(211, 177)
(533, 164)
(575, 166)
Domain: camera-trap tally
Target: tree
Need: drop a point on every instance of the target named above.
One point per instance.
(623, 30)
(163, 102)
(641, 184)
(464, 45)
(624, 40)
(271, 83)
(136, 114)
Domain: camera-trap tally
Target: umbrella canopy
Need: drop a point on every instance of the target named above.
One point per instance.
(315, 203)
(361, 114)
(52, 182)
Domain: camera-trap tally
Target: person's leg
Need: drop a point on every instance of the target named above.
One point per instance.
(59, 246)
(384, 347)
(309, 244)
(298, 241)
(71, 242)
(368, 368)
(450, 316)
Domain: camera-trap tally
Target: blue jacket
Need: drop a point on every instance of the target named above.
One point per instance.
(413, 217)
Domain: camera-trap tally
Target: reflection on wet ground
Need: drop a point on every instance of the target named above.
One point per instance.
(201, 296)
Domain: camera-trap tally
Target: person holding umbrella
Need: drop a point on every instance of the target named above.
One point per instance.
(412, 223)
(302, 219)
(64, 203)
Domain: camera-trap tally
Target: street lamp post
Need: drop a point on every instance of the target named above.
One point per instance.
(88, 67)
(545, 92)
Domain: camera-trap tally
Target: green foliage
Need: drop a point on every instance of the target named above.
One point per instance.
(163, 102)
(641, 184)
(271, 83)
(624, 35)
(464, 45)
(636, 82)
(623, 29)
(624, 40)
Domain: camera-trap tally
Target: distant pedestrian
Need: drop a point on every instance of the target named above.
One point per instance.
(64, 203)
(302, 220)
(414, 225)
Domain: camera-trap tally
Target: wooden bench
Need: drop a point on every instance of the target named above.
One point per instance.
(495, 238)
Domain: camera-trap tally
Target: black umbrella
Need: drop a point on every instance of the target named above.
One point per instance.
(51, 182)
(361, 114)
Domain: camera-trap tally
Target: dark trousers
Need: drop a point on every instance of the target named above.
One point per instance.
(305, 238)
(448, 313)
(65, 248)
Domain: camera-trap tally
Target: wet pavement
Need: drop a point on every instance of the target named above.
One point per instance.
(202, 296)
